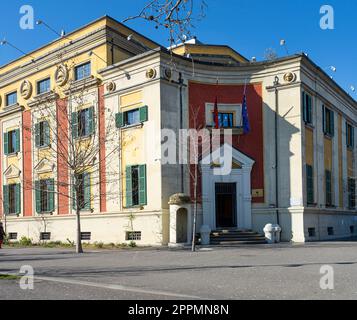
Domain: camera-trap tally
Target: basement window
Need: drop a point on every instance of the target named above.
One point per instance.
(133, 236)
(330, 231)
(312, 232)
(45, 236)
(13, 236)
(86, 235)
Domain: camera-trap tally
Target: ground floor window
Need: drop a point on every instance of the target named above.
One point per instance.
(136, 194)
(83, 186)
(328, 188)
(310, 184)
(12, 198)
(44, 195)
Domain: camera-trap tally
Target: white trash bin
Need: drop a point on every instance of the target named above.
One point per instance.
(269, 233)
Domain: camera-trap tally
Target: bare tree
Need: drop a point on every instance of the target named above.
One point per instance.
(74, 143)
(176, 16)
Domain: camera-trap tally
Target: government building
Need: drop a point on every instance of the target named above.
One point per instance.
(108, 89)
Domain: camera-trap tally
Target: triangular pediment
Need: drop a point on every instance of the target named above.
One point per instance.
(44, 166)
(239, 159)
(12, 172)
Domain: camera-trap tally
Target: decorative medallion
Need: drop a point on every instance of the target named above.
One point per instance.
(26, 89)
(289, 77)
(151, 73)
(111, 86)
(168, 73)
(61, 75)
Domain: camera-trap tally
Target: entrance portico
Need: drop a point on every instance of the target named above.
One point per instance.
(227, 199)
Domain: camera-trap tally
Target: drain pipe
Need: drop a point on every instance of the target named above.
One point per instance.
(276, 84)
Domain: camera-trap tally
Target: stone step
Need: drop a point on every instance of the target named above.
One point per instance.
(238, 238)
(232, 243)
(235, 234)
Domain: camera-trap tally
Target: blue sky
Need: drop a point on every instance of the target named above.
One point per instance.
(250, 27)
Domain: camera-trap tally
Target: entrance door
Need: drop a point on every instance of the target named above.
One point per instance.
(226, 205)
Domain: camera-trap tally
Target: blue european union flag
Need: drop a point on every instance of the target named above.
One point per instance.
(245, 117)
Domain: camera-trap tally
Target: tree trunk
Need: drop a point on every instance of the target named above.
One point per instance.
(79, 248)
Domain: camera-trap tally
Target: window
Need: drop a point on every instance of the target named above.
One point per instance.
(307, 108)
(352, 229)
(12, 235)
(350, 136)
(328, 188)
(82, 182)
(312, 232)
(133, 236)
(225, 120)
(351, 193)
(82, 71)
(43, 86)
(310, 184)
(136, 194)
(12, 199)
(12, 142)
(132, 117)
(42, 132)
(328, 121)
(44, 195)
(86, 235)
(45, 236)
(11, 98)
(330, 231)
(83, 123)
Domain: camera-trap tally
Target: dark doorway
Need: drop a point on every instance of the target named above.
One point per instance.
(226, 205)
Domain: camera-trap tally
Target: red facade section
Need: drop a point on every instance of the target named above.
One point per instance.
(62, 146)
(250, 144)
(102, 157)
(27, 163)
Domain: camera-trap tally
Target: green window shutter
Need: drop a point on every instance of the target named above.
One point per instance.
(304, 109)
(50, 195)
(6, 143)
(90, 120)
(17, 146)
(37, 135)
(332, 117)
(353, 137)
(128, 188)
(74, 196)
(6, 199)
(38, 196)
(143, 114)
(46, 129)
(87, 191)
(142, 185)
(75, 125)
(309, 109)
(18, 198)
(119, 120)
(324, 119)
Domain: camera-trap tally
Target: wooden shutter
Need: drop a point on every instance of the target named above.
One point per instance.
(38, 196)
(119, 120)
(87, 191)
(332, 123)
(90, 120)
(46, 130)
(6, 143)
(142, 185)
(6, 199)
(17, 146)
(37, 135)
(309, 109)
(324, 119)
(17, 198)
(143, 113)
(304, 109)
(75, 125)
(50, 195)
(128, 188)
(74, 196)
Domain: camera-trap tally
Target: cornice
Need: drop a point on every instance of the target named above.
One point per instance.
(11, 110)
